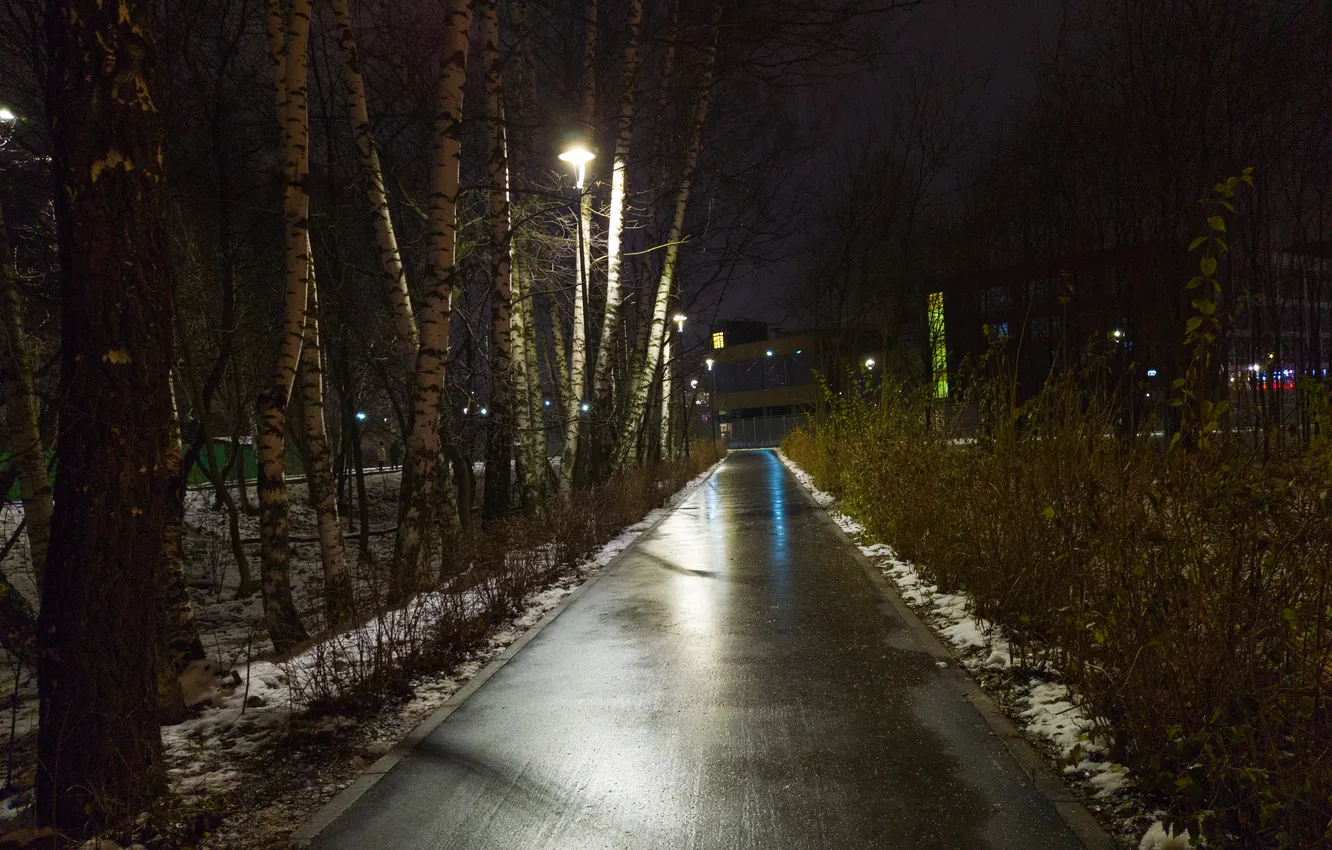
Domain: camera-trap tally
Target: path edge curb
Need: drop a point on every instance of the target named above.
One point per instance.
(1079, 819)
(310, 829)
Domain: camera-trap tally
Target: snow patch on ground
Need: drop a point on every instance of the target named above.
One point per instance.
(1160, 838)
(1051, 710)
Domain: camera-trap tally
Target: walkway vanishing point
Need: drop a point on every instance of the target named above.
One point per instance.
(738, 678)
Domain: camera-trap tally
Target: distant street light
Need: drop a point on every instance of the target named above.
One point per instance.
(869, 362)
(694, 383)
(484, 411)
(578, 156)
(360, 415)
(679, 319)
(709, 361)
(769, 352)
(586, 407)
(546, 402)
(6, 115)
(1151, 373)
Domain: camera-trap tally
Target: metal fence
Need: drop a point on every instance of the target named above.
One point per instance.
(760, 431)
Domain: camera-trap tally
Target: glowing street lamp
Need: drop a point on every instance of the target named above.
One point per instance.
(586, 407)
(679, 319)
(709, 361)
(578, 156)
(6, 115)
(869, 362)
(360, 415)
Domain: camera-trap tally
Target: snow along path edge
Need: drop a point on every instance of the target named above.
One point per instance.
(606, 557)
(1079, 819)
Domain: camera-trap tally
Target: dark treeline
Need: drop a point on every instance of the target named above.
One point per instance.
(321, 236)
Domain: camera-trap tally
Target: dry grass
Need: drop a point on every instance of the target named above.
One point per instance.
(1184, 594)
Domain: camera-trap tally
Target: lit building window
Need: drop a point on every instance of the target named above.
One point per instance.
(938, 345)
(719, 340)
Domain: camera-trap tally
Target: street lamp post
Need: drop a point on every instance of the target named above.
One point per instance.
(578, 155)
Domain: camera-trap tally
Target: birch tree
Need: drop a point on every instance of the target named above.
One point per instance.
(386, 242)
(574, 395)
(99, 743)
(290, 55)
(642, 381)
(602, 371)
(421, 467)
(528, 409)
(323, 490)
(499, 448)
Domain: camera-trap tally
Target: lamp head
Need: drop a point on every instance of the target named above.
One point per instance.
(6, 115)
(578, 155)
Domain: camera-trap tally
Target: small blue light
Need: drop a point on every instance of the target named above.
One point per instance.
(360, 415)
(769, 352)
(546, 402)
(1151, 373)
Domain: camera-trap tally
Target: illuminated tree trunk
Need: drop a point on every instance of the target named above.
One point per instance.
(390, 262)
(99, 742)
(280, 614)
(25, 439)
(642, 381)
(665, 443)
(323, 490)
(610, 326)
(527, 404)
(499, 446)
(420, 468)
(578, 354)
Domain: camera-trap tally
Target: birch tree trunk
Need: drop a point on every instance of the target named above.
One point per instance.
(390, 261)
(527, 391)
(661, 136)
(99, 745)
(530, 418)
(576, 390)
(665, 443)
(626, 441)
(418, 499)
(323, 490)
(603, 370)
(280, 614)
(499, 446)
(25, 439)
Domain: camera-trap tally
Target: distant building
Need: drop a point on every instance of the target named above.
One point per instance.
(1130, 297)
(759, 372)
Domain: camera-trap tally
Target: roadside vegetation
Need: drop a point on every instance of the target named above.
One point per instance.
(1174, 570)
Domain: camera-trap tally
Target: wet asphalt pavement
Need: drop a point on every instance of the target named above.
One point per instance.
(735, 680)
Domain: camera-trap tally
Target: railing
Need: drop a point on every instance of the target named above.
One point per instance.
(760, 431)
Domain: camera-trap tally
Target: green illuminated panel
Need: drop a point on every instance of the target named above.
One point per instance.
(938, 347)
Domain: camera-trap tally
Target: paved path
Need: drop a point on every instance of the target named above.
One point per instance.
(736, 680)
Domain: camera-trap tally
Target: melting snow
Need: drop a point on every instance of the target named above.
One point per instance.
(1051, 712)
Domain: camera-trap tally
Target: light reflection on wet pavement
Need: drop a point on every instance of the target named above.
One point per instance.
(734, 681)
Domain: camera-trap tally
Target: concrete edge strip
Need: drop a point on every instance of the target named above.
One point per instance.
(305, 834)
(1084, 825)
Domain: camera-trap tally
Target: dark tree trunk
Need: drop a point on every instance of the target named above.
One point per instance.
(99, 745)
